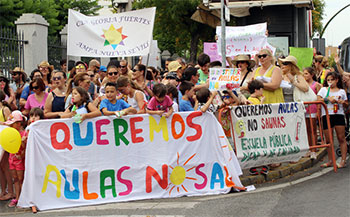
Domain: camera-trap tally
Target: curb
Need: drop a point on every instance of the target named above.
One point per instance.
(283, 171)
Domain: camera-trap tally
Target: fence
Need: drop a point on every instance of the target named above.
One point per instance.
(11, 49)
(56, 51)
(324, 144)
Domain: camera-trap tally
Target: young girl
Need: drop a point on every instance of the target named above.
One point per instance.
(160, 103)
(5, 176)
(310, 76)
(173, 93)
(81, 105)
(16, 161)
(336, 100)
(136, 98)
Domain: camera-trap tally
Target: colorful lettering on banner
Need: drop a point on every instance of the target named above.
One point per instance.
(223, 79)
(108, 159)
(279, 133)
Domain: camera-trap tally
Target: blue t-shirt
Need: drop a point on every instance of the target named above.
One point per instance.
(185, 105)
(118, 106)
(26, 92)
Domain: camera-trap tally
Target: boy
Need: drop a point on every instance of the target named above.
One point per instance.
(160, 103)
(205, 99)
(255, 88)
(187, 91)
(112, 106)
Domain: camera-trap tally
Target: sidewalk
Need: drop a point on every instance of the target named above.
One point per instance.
(286, 169)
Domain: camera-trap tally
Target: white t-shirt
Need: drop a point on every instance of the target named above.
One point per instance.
(330, 106)
(175, 106)
(132, 101)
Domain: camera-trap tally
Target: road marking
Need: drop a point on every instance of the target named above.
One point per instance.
(131, 216)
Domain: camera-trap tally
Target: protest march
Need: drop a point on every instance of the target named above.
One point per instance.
(106, 129)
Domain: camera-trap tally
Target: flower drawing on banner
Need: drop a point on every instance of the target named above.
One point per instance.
(178, 175)
(114, 37)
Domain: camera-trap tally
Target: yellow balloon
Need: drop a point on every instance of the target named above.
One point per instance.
(10, 140)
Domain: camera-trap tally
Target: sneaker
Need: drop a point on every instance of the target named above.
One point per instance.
(13, 203)
(264, 170)
(253, 171)
(313, 155)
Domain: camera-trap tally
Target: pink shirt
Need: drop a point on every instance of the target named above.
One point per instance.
(154, 105)
(33, 103)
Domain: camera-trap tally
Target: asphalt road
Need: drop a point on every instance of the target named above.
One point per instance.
(321, 193)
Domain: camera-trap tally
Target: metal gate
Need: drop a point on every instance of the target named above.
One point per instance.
(56, 51)
(11, 49)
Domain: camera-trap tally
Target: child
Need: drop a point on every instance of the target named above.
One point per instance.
(255, 88)
(173, 93)
(16, 161)
(205, 99)
(335, 98)
(187, 91)
(136, 98)
(229, 98)
(81, 105)
(5, 176)
(160, 103)
(256, 97)
(35, 114)
(114, 106)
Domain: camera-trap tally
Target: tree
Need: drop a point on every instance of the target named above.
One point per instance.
(54, 11)
(317, 16)
(173, 27)
(86, 7)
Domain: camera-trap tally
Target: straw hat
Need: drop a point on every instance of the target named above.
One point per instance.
(289, 59)
(46, 64)
(243, 58)
(18, 69)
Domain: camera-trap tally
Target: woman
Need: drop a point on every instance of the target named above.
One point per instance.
(54, 105)
(272, 90)
(37, 99)
(136, 98)
(80, 80)
(321, 65)
(138, 76)
(112, 76)
(26, 91)
(46, 69)
(309, 75)
(293, 76)
(10, 94)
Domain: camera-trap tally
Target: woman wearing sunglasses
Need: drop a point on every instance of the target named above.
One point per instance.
(322, 68)
(138, 76)
(46, 69)
(54, 105)
(272, 90)
(292, 75)
(38, 98)
(10, 94)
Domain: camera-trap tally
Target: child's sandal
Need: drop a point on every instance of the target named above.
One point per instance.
(325, 165)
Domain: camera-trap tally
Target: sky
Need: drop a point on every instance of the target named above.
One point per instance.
(339, 28)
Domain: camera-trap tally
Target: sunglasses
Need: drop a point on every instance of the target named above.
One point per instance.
(97, 67)
(80, 67)
(91, 76)
(15, 73)
(286, 63)
(134, 70)
(226, 97)
(262, 55)
(44, 68)
(35, 87)
(1, 79)
(112, 73)
(122, 66)
(238, 62)
(56, 78)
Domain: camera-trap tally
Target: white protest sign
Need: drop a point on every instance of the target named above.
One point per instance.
(117, 35)
(108, 159)
(243, 39)
(153, 59)
(224, 78)
(269, 133)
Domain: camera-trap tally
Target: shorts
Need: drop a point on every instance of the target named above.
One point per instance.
(15, 163)
(335, 120)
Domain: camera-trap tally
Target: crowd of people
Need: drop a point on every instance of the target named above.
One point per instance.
(88, 90)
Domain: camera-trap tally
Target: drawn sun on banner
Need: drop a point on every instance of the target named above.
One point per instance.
(114, 37)
(178, 175)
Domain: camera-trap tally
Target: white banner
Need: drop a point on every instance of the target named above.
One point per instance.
(244, 39)
(117, 35)
(108, 159)
(269, 133)
(224, 78)
(154, 56)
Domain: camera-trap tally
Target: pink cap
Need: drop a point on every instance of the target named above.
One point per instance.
(14, 117)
